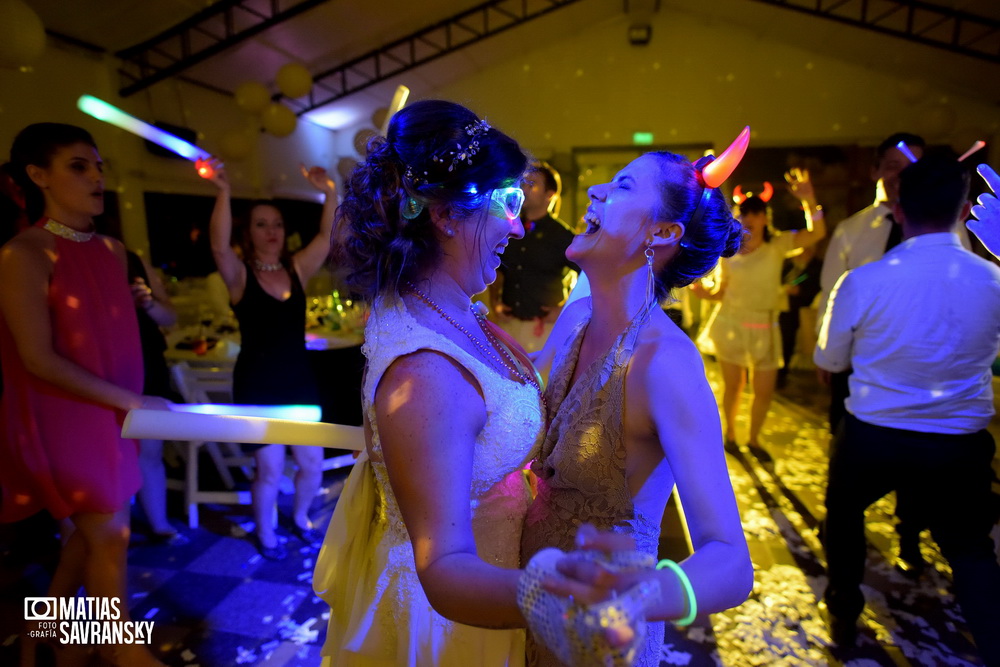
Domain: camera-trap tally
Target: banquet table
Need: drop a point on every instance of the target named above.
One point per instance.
(335, 357)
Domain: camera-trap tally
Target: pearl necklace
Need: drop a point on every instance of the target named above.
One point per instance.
(59, 229)
(267, 266)
(506, 361)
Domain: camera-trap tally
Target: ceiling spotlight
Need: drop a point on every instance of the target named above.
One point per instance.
(639, 34)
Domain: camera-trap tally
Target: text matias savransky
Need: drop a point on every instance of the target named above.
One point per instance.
(84, 620)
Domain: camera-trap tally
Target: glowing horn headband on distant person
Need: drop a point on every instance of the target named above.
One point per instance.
(765, 196)
(713, 171)
(101, 110)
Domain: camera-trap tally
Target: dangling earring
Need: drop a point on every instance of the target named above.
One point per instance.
(649, 273)
(411, 208)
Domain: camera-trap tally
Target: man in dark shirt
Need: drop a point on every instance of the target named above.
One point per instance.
(532, 288)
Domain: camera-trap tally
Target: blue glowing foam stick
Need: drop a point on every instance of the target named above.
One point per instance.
(905, 150)
(101, 110)
(302, 413)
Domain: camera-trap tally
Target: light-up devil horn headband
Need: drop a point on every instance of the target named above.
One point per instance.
(768, 192)
(765, 195)
(713, 172)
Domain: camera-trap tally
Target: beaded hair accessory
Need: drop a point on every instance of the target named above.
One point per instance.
(454, 156)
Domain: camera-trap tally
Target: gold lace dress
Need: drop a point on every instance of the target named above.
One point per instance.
(581, 467)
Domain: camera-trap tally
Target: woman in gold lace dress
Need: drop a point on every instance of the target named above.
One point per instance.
(631, 412)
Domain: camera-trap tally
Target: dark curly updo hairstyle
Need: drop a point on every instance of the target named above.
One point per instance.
(712, 234)
(384, 234)
(37, 144)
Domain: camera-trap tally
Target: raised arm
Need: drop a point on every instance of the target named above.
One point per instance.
(429, 412)
(25, 272)
(802, 188)
(309, 260)
(152, 297)
(986, 212)
(231, 268)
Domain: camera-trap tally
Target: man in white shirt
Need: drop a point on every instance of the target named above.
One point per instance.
(860, 239)
(865, 237)
(920, 328)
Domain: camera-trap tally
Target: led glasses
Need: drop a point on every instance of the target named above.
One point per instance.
(507, 201)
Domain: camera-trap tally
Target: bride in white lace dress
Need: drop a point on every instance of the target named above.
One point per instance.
(430, 517)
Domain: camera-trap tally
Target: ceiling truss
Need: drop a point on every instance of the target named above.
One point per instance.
(219, 27)
(427, 44)
(913, 20)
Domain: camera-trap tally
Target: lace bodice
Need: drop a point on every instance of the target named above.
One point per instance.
(581, 466)
(507, 442)
(379, 615)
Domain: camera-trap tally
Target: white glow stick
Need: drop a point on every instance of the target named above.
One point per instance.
(304, 413)
(101, 110)
(975, 147)
(398, 102)
(169, 425)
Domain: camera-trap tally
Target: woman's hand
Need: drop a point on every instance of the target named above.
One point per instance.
(800, 185)
(213, 170)
(319, 179)
(587, 581)
(612, 592)
(142, 295)
(986, 225)
(155, 403)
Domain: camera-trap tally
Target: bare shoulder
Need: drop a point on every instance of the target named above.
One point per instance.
(33, 246)
(668, 362)
(429, 376)
(431, 393)
(573, 313)
(571, 316)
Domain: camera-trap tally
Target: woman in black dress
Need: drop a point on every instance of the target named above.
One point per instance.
(266, 290)
(153, 310)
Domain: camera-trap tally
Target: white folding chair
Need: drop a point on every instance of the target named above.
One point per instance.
(208, 385)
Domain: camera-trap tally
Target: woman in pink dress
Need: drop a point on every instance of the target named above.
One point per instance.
(72, 367)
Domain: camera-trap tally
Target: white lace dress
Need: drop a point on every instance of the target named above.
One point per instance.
(379, 615)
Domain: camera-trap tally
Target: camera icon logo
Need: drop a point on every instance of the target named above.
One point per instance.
(40, 609)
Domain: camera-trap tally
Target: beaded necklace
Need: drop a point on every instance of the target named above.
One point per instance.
(59, 229)
(267, 266)
(504, 359)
